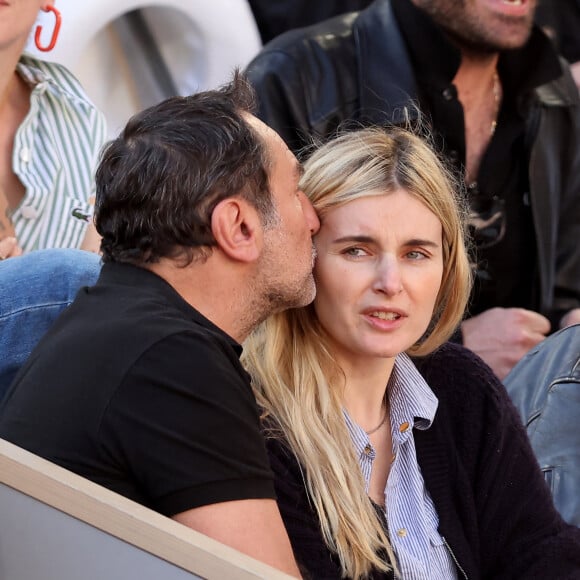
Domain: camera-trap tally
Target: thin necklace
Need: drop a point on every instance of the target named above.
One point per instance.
(380, 424)
(496, 101)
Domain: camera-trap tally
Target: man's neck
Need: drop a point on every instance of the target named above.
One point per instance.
(220, 298)
(479, 91)
(475, 73)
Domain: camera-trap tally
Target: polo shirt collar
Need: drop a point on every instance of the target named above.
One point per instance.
(129, 275)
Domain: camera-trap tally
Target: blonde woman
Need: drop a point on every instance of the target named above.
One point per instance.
(381, 468)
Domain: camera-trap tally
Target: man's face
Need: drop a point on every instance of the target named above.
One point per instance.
(285, 277)
(483, 25)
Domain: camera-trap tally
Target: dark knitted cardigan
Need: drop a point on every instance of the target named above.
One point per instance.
(495, 511)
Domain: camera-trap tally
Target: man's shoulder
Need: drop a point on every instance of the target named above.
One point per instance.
(64, 89)
(109, 329)
(351, 69)
(322, 56)
(324, 35)
(131, 299)
(127, 325)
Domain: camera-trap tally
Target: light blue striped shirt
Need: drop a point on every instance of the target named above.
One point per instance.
(55, 154)
(411, 516)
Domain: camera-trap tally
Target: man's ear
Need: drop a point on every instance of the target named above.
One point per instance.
(237, 228)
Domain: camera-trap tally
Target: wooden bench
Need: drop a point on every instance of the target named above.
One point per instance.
(56, 525)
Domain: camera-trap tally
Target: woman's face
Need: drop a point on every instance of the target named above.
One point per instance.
(378, 272)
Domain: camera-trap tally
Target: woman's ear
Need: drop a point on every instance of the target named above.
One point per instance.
(237, 229)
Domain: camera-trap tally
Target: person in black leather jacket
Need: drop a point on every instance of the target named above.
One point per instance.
(503, 109)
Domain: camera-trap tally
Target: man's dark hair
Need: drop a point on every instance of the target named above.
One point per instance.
(160, 180)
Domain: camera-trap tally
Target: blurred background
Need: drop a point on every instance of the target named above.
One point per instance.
(130, 54)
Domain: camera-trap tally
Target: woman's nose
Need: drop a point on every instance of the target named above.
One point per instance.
(310, 214)
(388, 278)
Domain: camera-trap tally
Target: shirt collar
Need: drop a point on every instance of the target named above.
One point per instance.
(30, 73)
(129, 275)
(411, 401)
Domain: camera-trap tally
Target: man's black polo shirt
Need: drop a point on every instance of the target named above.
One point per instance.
(137, 391)
(506, 255)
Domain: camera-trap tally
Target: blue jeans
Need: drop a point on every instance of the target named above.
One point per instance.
(34, 289)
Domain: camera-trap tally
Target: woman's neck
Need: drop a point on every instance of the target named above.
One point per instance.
(14, 106)
(364, 391)
(9, 57)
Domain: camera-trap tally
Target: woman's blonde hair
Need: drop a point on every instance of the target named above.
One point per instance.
(295, 378)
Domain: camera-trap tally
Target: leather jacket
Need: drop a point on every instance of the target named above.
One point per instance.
(545, 388)
(356, 67)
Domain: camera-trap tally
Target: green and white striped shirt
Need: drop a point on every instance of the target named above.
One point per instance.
(55, 154)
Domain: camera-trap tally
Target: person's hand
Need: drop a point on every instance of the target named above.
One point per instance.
(571, 317)
(575, 69)
(502, 336)
(92, 240)
(9, 248)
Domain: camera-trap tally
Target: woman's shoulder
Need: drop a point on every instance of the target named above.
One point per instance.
(61, 81)
(456, 373)
(451, 359)
(278, 447)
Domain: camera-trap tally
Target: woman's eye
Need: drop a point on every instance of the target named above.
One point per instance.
(416, 255)
(354, 252)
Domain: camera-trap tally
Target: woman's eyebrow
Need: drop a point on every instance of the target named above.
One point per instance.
(421, 242)
(369, 239)
(359, 239)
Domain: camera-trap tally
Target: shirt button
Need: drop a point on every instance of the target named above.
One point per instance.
(28, 212)
(453, 156)
(402, 532)
(448, 94)
(404, 427)
(25, 154)
(367, 450)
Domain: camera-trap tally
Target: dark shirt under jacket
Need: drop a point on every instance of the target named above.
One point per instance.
(137, 391)
(506, 262)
